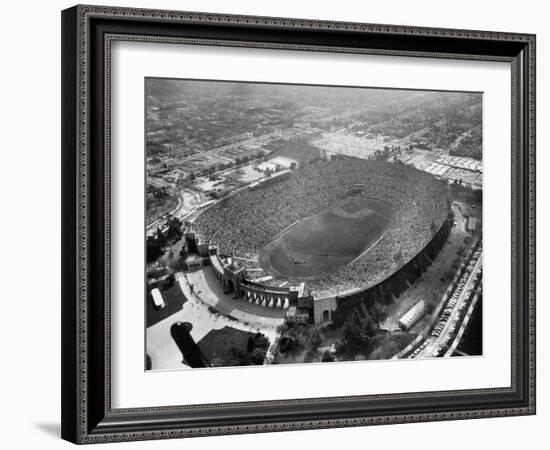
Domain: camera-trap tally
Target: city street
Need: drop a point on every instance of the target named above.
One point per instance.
(453, 322)
(442, 330)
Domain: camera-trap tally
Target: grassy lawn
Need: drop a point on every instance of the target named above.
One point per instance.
(173, 299)
(220, 346)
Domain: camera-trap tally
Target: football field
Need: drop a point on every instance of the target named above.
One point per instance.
(333, 237)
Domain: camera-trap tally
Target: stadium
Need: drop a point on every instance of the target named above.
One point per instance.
(327, 233)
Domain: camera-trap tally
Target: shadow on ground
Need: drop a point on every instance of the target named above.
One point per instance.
(52, 429)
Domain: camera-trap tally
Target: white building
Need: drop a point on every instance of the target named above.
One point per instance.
(413, 315)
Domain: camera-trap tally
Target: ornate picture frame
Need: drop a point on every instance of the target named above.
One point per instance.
(88, 33)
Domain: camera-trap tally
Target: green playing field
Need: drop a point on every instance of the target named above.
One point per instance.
(333, 237)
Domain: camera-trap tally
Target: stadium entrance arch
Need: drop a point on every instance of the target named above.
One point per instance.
(323, 309)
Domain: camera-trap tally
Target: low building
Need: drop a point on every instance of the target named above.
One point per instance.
(472, 224)
(158, 301)
(196, 262)
(297, 315)
(413, 315)
(323, 309)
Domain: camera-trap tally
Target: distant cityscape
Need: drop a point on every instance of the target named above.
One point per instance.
(191, 134)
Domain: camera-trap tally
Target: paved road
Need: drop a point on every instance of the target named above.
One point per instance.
(162, 349)
(433, 284)
(452, 324)
(188, 201)
(209, 290)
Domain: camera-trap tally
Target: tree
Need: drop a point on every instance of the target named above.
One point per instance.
(286, 344)
(352, 332)
(174, 231)
(258, 356)
(376, 312)
(261, 341)
(238, 357)
(154, 249)
(160, 237)
(368, 329)
(314, 338)
(250, 344)
(357, 334)
(430, 306)
(170, 280)
(293, 338)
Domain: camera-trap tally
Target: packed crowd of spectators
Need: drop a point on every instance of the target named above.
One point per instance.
(242, 224)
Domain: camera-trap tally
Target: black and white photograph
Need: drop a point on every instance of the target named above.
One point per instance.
(275, 225)
(293, 223)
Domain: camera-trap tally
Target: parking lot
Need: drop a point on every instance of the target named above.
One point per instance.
(445, 328)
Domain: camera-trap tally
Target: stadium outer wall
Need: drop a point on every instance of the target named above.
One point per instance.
(339, 307)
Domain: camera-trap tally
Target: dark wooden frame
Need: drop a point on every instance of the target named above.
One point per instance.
(87, 32)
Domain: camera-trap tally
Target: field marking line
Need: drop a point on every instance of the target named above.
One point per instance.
(370, 246)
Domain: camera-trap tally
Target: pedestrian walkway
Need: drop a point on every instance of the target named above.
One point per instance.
(205, 311)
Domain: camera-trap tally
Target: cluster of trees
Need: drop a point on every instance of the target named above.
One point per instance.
(159, 200)
(254, 354)
(357, 336)
(169, 281)
(295, 338)
(466, 194)
(157, 191)
(360, 337)
(156, 244)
